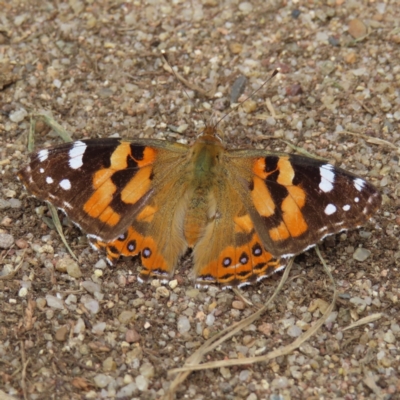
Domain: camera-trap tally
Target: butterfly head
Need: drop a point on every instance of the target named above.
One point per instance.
(210, 134)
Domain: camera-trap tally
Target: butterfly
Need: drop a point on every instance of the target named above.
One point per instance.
(243, 212)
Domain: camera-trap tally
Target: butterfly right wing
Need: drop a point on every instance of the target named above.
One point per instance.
(294, 201)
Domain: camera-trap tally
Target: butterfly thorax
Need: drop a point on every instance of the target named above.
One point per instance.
(205, 157)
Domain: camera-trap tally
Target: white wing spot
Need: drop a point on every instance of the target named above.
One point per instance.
(65, 184)
(41, 170)
(49, 180)
(330, 209)
(346, 207)
(356, 199)
(327, 178)
(76, 154)
(359, 184)
(43, 155)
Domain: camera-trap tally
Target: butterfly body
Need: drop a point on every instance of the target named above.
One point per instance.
(243, 212)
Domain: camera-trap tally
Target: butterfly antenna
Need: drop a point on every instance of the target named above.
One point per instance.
(164, 56)
(274, 73)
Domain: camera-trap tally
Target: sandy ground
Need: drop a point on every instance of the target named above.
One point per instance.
(96, 68)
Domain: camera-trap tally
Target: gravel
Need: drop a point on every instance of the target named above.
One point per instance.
(86, 329)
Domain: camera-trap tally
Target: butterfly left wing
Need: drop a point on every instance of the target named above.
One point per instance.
(294, 201)
(101, 184)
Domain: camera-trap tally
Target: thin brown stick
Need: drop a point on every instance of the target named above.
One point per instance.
(24, 366)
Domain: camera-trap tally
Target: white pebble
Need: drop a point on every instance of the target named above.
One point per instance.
(54, 302)
(294, 331)
(183, 324)
(142, 383)
(101, 264)
(244, 375)
(99, 328)
(127, 391)
(102, 380)
(91, 287)
(79, 326)
(246, 7)
(19, 115)
(92, 305)
(210, 320)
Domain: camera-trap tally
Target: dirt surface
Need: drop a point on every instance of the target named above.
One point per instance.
(96, 68)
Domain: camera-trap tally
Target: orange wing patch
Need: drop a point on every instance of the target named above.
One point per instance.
(293, 223)
(238, 266)
(138, 165)
(132, 243)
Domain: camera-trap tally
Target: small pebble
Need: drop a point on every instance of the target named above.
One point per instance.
(91, 287)
(68, 265)
(21, 243)
(6, 240)
(210, 319)
(132, 336)
(23, 292)
(357, 28)
(296, 13)
(249, 106)
(15, 203)
(127, 391)
(173, 284)
(79, 326)
(388, 337)
(142, 383)
(192, 293)
(19, 115)
(147, 370)
(61, 334)
(54, 302)
(163, 291)
(71, 299)
(109, 365)
(4, 204)
(101, 264)
(294, 331)
(246, 7)
(238, 305)
(244, 375)
(41, 303)
(125, 317)
(183, 324)
(92, 305)
(102, 380)
(99, 328)
(361, 254)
